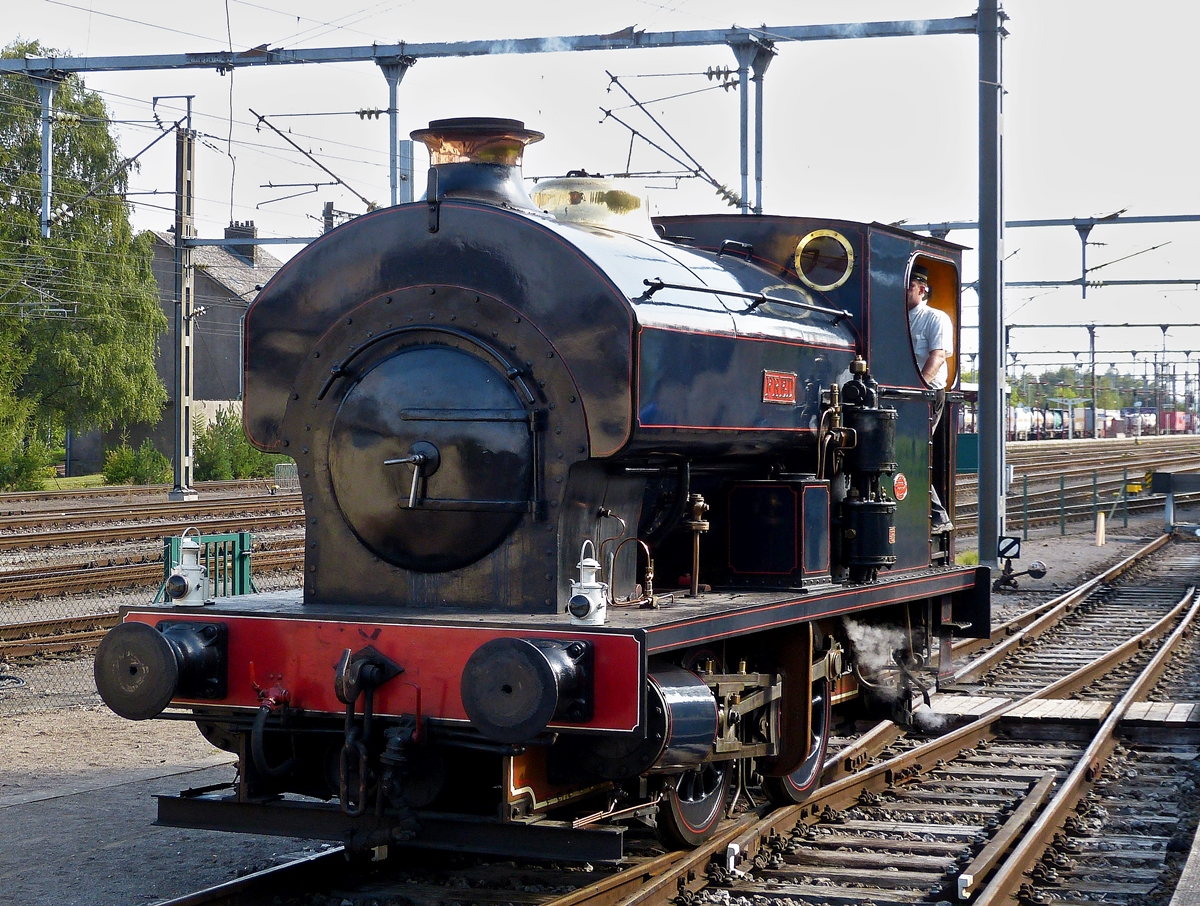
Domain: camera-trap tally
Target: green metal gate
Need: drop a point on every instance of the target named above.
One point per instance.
(227, 557)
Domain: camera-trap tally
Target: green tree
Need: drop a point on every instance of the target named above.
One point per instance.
(79, 313)
(222, 451)
(145, 465)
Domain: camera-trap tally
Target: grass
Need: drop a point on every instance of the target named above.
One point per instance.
(967, 558)
(75, 481)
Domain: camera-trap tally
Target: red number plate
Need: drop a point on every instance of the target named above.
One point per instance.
(779, 387)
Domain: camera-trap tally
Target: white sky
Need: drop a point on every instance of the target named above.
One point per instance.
(1099, 116)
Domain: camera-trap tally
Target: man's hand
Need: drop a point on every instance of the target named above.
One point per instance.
(933, 364)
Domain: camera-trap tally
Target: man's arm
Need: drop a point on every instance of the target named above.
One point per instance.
(937, 358)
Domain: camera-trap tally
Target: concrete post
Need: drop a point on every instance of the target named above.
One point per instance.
(46, 87)
(185, 201)
(762, 60)
(393, 71)
(407, 170)
(745, 51)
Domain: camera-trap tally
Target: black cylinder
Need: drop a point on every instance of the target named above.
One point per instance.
(140, 668)
(512, 688)
(681, 728)
(875, 447)
(869, 532)
(691, 717)
(492, 183)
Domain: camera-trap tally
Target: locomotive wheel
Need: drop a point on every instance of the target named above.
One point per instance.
(801, 783)
(692, 804)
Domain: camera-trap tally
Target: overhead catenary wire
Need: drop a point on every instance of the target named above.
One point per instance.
(30, 275)
(711, 72)
(329, 26)
(123, 165)
(365, 113)
(263, 120)
(672, 97)
(696, 167)
(270, 148)
(1127, 257)
(46, 283)
(13, 175)
(95, 12)
(613, 80)
(266, 150)
(199, 113)
(721, 189)
(357, 159)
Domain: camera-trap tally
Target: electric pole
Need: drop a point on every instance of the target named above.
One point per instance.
(991, 282)
(185, 229)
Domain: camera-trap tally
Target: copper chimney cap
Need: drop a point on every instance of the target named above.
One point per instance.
(476, 140)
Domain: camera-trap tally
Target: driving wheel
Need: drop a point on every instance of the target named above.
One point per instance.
(692, 804)
(802, 782)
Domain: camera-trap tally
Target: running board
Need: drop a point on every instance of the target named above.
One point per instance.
(539, 839)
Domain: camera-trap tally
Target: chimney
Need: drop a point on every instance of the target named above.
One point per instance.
(479, 158)
(239, 230)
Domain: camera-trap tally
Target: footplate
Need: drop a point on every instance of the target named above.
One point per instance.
(218, 809)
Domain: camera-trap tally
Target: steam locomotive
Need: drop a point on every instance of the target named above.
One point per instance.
(601, 512)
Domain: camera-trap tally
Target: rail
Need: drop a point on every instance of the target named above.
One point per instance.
(1028, 827)
(751, 852)
(1006, 882)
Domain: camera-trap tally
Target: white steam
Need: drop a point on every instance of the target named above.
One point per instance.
(875, 646)
(875, 649)
(928, 719)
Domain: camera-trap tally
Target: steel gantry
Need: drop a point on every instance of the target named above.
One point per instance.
(753, 49)
(1083, 226)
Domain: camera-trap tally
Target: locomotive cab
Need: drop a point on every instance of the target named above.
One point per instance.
(562, 572)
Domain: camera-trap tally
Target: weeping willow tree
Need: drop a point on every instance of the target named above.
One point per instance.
(79, 313)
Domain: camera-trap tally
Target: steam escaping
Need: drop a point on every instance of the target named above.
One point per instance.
(928, 719)
(875, 646)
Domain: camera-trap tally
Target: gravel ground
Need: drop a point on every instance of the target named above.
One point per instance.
(1071, 557)
(76, 784)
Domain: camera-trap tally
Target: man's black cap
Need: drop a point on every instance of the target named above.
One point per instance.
(920, 273)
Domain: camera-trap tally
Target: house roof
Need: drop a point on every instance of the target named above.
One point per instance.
(226, 268)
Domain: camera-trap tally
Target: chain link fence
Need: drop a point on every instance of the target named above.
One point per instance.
(57, 679)
(287, 478)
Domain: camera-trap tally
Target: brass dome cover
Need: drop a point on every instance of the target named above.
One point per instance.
(476, 140)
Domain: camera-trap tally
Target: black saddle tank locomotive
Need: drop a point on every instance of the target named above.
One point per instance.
(597, 508)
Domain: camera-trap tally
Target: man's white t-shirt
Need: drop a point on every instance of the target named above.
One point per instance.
(931, 328)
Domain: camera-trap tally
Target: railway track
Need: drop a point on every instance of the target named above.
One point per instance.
(1060, 479)
(81, 634)
(1049, 509)
(69, 523)
(140, 531)
(74, 495)
(99, 526)
(1082, 457)
(967, 522)
(1049, 484)
(970, 812)
(147, 570)
(161, 510)
(1043, 450)
(42, 637)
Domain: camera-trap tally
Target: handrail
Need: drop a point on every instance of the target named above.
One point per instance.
(838, 314)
